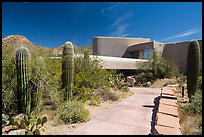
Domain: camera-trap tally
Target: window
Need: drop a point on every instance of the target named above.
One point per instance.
(147, 53)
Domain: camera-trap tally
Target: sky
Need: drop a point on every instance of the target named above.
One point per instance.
(51, 24)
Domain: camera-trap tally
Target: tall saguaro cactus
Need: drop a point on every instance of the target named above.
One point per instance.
(37, 88)
(68, 69)
(193, 62)
(23, 77)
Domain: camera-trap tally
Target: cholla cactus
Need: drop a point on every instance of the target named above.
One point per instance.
(193, 63)
(68, 69)
(23, 78)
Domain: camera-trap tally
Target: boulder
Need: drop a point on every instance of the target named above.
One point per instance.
(131, 81)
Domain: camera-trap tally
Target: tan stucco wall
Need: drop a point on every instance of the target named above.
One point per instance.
(178, 52)
(159, 47)
(114, 46)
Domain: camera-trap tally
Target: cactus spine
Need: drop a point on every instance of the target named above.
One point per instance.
(193, 62)
(68, 70)
(23, 77)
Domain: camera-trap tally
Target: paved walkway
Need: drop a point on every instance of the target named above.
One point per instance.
(132, 116)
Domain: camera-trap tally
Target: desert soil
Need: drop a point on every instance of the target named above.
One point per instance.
(63, 129)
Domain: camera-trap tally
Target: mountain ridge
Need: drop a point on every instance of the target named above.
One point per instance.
(17, 40)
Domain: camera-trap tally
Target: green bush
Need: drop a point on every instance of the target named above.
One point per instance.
(9, 82)
(94, 100)
(160, 67)
(195, 105)
(72, 112)
(118, 81)
(144, 79)
(200, 82)
(89, 75)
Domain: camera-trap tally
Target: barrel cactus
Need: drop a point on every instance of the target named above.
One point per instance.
(68, 70)
(23, 78)
(193, 62)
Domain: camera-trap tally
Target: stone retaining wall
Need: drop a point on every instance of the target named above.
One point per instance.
(167, 117)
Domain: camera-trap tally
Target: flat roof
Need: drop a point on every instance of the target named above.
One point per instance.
(119, 37)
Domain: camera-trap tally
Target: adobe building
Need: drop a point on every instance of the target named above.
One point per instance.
(140, 48)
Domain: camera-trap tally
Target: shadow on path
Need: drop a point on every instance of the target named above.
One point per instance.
(154, 112)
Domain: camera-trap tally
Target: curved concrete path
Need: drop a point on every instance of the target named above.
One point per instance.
(132, 116)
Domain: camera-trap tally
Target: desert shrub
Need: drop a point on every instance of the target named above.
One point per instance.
(200, 82)
(49, 80)
(72, 112)
(94, 100)
(144, 79)
(195, 105)
(106, 94)
(160, 67)
(9, 80)
(89, 75)
(118, 81)
(165, 69)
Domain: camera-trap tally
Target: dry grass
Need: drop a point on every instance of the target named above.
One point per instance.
(188, 122)
(161, 82)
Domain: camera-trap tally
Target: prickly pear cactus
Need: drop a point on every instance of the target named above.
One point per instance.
(68, 69)
(23, 77)
(193, 63)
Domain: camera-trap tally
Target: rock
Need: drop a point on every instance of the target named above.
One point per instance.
(131, 81)
(163, 130)
(169, 110)
(7, 128)
(168, 91)
(170, 102)
(167, 120)
(16, 132)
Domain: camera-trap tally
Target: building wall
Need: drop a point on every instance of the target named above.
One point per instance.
(122, 47)
(178, 52)
(114, 46)
(159, 47)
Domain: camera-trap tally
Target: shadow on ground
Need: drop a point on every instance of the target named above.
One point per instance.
(154, 112)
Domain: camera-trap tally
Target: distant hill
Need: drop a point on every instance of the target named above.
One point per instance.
(77, 49)
(16, 41)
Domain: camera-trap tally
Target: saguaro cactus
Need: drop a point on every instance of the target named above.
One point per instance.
(86, 54)
(193, 62)
(68, 69)
(41, 63)
(23, 77)
(37, 88)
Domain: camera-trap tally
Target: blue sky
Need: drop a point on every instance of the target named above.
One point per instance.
(51, 24)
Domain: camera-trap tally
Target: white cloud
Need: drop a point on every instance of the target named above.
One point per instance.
(120, 30)
(120, 19)
(121, 24)
(183, 34)
(111, 8)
